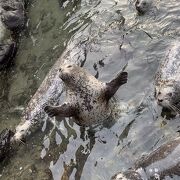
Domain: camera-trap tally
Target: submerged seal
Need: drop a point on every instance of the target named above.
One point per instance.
(142, 6)
(167, 82)
(87, 98)
(162, 163)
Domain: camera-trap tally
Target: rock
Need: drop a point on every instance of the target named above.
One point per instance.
(13, 14)
(7, 52)
(5, 137)
(12, 20)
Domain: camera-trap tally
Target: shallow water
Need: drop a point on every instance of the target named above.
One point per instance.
(66, 151)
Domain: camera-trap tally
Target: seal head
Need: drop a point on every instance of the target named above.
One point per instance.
(127, 175)
(167, 84)
(168, 96)
(142, 6)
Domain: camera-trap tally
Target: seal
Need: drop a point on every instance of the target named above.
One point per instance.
(7, 46)
(167, 80)
(142, 6)
(162, 163)
(87, 99)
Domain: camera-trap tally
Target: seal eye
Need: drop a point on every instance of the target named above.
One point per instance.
(170, 94)
(69, 66)
(137, 3)
(144, 3)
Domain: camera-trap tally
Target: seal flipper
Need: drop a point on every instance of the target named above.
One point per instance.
(64, 110)
(114, 84)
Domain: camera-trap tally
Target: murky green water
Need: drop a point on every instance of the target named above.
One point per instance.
(64, 151)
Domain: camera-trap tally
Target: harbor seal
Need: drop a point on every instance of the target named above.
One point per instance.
(142, 6)
(162, 163)
(167, 80)
(87, 98)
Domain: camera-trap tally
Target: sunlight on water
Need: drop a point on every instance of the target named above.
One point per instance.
(103, 36)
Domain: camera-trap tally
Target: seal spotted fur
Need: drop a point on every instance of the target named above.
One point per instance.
(167, 84)
(87, 98)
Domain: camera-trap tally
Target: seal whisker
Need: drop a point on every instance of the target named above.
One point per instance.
(176, 108)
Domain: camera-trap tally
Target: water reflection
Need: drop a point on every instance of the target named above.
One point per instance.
(69, 156)
(65, 150)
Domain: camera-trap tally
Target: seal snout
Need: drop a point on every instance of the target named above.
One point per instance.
(160, 100)
(65, 67)
(142, 6)
(164, 97)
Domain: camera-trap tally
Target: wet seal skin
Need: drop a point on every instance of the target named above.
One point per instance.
(167, 80)
(162, 163)
(87, 98)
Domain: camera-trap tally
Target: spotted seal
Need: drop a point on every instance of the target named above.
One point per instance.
(87, 98)
(142, 6)
(167, 80)
(162, 163)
